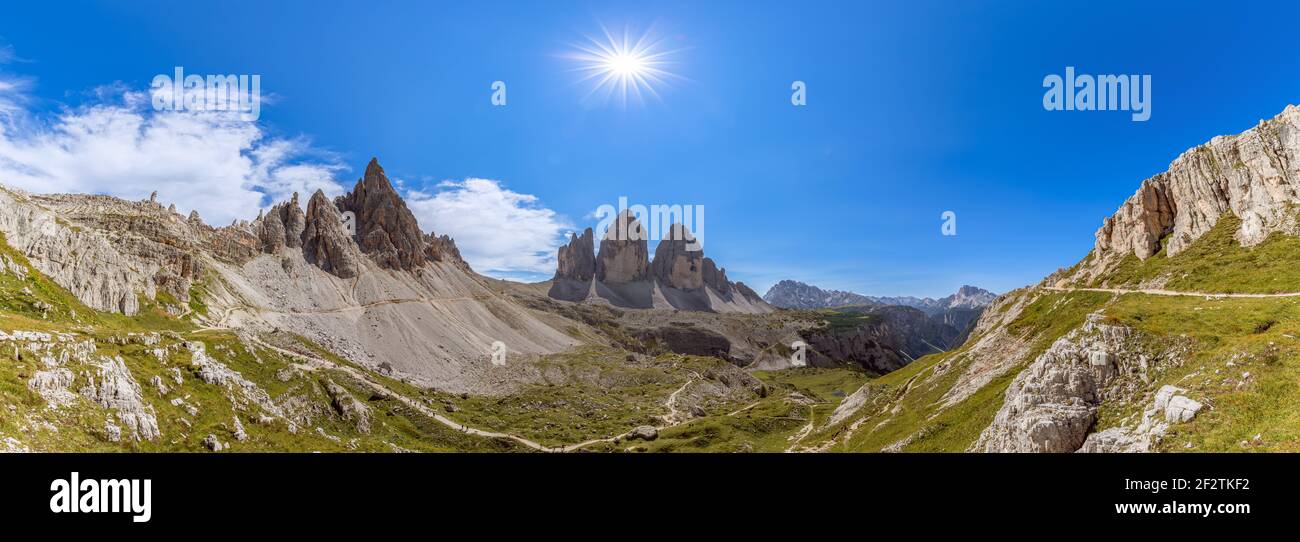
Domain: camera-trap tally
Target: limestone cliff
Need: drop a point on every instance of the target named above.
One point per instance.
(1254, 175)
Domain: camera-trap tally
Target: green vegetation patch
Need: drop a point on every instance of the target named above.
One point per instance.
(1216, 263)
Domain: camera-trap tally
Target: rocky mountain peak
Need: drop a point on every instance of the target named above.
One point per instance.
(675, 263)
(624, 251)
(386, 229)
(577, 260)
(281, 227)
(797, 295)
(325, 242)
(716, 277)
(968, 297)
(792, 294)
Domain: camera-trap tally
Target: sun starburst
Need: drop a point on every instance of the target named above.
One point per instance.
(619, 68)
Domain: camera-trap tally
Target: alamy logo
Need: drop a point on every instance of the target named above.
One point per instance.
(799, 354)
(196, 93)
(655, 222)
(91, 496)
(1098, 93)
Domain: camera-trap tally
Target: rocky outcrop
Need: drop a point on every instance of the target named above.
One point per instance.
(1051, 405)
(687, 339)
(577, 260)
(385, 229)
(1254, 175)
(624, 252)
(117, 390)
(324, 241)
(442, 248)
(1170, 406)
(348, 407)
(138, 250)
(716, 278)
(850, 405)
(282, 226)
(678, 261)
(643, 432)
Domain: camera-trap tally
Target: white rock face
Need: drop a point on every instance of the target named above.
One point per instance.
(850, 405)
(118, 390)
(80, 260)
(1254, 175)
(53, 386)
(1168, 407)
(1181, 409)
(240, 435)
(1052, 404)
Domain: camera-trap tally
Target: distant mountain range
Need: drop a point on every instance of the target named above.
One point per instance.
(792, 294)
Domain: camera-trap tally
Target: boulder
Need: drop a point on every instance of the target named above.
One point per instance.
(643, 432)
(1181, 409)
(349, 407)
(210, 442)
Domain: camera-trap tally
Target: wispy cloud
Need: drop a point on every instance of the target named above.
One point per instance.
(499, 232)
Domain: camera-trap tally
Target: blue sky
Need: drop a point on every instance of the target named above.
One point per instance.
(914, 108)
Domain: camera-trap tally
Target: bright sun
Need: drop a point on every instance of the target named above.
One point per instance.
(626, 65)
(620, 68)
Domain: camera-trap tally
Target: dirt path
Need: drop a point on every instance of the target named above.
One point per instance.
(671, 418)
(225, 316)
(1156, 291)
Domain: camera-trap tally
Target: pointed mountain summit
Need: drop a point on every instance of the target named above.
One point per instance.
(624, 253)
(675, 264)
(679, 277)
(577, 260)
(386, 230)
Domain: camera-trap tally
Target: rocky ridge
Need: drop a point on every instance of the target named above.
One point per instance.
(623, 274)
(792, 294)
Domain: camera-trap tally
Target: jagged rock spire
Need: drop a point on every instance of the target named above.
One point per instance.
(577, 260)
(324, 241)
(282, 227)
(386, 229)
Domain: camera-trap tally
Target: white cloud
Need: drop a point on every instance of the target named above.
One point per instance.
(224, 167)
(499, 232)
